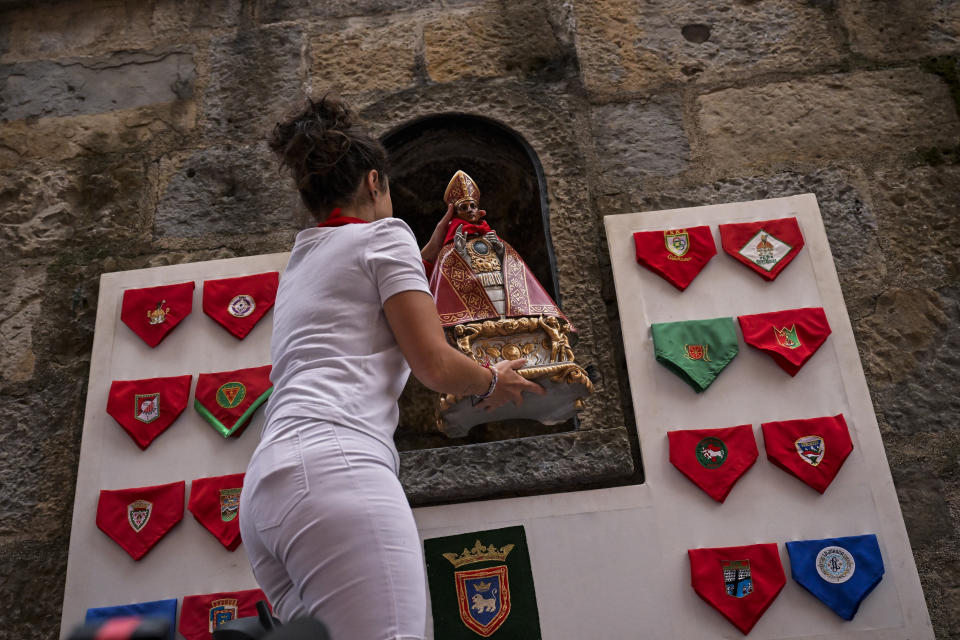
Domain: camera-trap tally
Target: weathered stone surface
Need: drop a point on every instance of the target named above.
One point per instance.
(34, 572)
(224, 191)
(910, 349)
(491, 40)
(21, 289)
(850, 222)
(890, 30)
(283, 10)
(639, 139)
(255, 77)
(102, 203)
(74, 87)
(563, 460)
(868, 113)
(58, 139)
(626, 46)
(365, 57)
(918, 212)
(924, 508)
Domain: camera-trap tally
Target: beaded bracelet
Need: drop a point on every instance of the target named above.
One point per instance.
(475, 399)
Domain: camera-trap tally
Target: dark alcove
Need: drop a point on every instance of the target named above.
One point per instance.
(424, 155)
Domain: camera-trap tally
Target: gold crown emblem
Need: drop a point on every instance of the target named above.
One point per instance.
(482, 587)
(479, 553)
(460, 188)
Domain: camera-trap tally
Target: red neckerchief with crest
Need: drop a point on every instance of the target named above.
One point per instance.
(812, 450)
(215, 503)
(136, 519)
(790, 337)
(228, 399)
(714, 459)
(676, 255)
(766, 246)
(200, 615)
(145, 408)
(238, 304)
(739, 582)
(153, 312)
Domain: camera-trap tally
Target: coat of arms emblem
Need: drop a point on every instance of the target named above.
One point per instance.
(241, 306)
(231, 394)
(146, 407)
(483, 595)
(229, 504)
(787, 337)
(811, 449)
(711, 452)
(736, 578)
(222, 610)
(835, 564)
(138, 514)
(158, 315)
(764, 250)
(696, 352)
(677, 242)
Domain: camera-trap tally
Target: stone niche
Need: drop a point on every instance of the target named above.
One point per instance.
(514, 457)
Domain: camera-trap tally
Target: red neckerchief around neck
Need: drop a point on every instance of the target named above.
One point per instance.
(468, 227)
(337, 220)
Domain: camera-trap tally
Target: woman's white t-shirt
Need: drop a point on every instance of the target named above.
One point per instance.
(334, 355)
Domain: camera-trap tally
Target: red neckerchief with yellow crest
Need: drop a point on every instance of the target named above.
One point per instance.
(676, 255)
(766, 246)
(215, 503)
(228, 399)
(812, 450)
(200, 615)
(136, 519)
(153, 312)
(790, 337)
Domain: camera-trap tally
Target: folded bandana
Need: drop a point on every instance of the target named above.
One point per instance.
(714, 459)
(676, 255)
(228, 399)
(766, 246)
(739, 582)
(201, 614)
(840, 572)
(695, 350)
(239, 303)
(215, 503)
(152, 313)
(790, 337)
(812, 450)
(165, 610)
(136, 519)
(145, 408)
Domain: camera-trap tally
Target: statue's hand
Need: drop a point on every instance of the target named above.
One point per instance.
(431, 250)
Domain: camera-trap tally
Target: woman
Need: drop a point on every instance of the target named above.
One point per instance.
(324, 518)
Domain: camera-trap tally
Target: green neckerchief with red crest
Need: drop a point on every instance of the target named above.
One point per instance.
(696, 350)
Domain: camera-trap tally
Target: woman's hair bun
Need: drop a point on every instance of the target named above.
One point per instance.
(325, 155)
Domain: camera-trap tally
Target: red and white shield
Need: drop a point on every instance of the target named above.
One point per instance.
(484, 598)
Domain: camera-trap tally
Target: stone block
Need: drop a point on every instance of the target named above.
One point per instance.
(639, 139)
(255, 77)
(57, 139)
(864, 114)
(893, 31)
(222, 192)
(492, 40)
(550, 462)
(365, 58)
(22, 290)
(287, 10)
(82, 86)
(629, 47)
(33, 578)
(925, 510)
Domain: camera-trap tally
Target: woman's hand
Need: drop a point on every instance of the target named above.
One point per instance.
(510, 385)
(433, 246)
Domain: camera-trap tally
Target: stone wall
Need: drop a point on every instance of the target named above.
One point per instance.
(131, 135)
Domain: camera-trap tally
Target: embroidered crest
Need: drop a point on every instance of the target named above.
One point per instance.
(678, 244)
(484, 597)
(158, 315)
(146, 407)
(764, 250)
(138, 514)
(222, 610)
(229, 504)
(811, 449)
(696, 352)
(835, 564)
(241, 306)
(736, 578)
(231, 394)
(711, 452)
(787, 337)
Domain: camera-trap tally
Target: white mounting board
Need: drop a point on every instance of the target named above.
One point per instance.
(609, 563)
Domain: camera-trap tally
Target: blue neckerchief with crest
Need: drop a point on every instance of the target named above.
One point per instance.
(840, 572)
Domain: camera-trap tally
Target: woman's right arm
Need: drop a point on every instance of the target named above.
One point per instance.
(413, 318)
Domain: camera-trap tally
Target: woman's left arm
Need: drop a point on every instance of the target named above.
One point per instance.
(433, 246)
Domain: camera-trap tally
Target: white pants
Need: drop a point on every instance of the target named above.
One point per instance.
(330, 534)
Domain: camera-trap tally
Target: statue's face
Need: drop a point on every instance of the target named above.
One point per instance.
(469, 211)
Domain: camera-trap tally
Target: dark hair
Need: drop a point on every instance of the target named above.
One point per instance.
(326, 156)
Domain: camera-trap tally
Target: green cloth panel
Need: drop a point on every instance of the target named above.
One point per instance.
(522, 622)
(717, 338)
